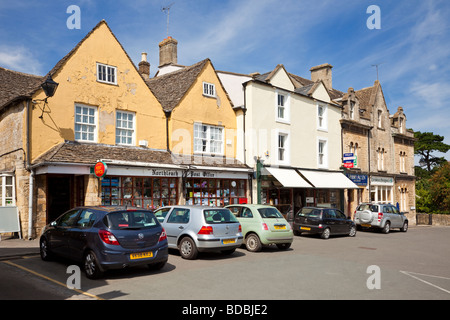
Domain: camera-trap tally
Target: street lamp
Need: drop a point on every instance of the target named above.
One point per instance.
(49, 86)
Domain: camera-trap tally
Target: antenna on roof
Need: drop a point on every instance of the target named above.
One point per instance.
(167, 10)
(376, 66)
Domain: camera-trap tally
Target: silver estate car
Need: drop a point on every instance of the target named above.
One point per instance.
(194, 229)
(380, 216)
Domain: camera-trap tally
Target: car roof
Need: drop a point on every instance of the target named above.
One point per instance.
(251, 205)
(190, 206)
(112, 208)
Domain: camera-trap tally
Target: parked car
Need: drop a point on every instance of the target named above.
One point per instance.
(324, 221)
(380, 216)
(262, 225)
(103, 238)
(194, 229)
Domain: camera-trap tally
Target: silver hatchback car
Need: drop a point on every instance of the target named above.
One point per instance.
(194, 229)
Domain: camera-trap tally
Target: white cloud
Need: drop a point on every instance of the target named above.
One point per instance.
(19, 59)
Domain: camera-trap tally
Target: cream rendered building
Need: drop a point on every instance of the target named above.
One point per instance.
(291, 136)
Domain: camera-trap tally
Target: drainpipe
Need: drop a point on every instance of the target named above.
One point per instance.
(167, 114)
(31, 180)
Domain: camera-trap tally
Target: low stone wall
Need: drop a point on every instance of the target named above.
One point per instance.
(433, 219)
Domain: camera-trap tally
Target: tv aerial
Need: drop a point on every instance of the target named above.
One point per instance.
(166, 9)
(376, 66)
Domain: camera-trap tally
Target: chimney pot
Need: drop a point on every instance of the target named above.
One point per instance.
(144, 65)
(168, 51)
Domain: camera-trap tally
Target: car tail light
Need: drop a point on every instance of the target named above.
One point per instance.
(206, 230)
(107, 237)
(240, 228)
(265, 227)
(380, 216)
(163, 235)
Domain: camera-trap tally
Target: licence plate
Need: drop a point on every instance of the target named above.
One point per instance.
(279, 227)
(305, 228)
(228, 241)
(141, 255)
(366, 225)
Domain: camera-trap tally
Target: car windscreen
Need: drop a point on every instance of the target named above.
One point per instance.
(214, 216)
(269, 213)
(309, 212)
(130, 220)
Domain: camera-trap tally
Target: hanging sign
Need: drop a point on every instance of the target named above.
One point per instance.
(100, 169)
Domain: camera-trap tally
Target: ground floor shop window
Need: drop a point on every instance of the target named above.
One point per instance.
(215, 192)
(381, 194)
(145, 192)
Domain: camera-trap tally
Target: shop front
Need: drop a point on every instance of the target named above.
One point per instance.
(290, 189)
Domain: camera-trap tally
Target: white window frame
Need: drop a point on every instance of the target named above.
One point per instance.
(322, 157)
(92, 121)
(108, 75)
(3, 186)
(209, 137)
(322, 119)
(121, 129)
(209, 89)
(285, 106)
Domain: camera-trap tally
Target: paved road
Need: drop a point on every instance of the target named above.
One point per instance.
(412, 265)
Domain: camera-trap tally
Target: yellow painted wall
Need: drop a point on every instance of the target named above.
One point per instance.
(77, 80)
(195, 107)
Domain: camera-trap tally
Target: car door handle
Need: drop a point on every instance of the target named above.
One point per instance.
(181, 227)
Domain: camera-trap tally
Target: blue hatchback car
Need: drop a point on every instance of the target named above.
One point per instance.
(104, 238)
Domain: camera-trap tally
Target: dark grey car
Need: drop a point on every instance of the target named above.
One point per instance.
(103, 238)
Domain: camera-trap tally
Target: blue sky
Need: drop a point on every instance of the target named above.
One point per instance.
(412, 46)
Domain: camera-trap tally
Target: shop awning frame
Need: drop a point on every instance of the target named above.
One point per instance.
(327, 179)
(289, 178)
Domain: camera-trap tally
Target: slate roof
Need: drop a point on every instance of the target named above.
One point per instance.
(16, 85)
(71, 152)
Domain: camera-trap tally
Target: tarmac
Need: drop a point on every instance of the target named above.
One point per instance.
(13, 248)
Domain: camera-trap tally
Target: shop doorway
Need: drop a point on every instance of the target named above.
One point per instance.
(59, 196)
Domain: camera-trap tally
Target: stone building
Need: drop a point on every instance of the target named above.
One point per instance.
(379, 149)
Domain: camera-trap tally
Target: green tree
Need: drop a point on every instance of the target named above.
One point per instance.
(426, 143)
(440, 189)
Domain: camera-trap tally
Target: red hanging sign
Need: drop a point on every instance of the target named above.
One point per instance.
(100, 169)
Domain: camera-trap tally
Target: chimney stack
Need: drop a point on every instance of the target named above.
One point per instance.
(322, 72)
(168, 52)
(144, 66)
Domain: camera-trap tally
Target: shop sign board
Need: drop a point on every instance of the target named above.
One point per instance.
(349, 160)
(358, 179)
(100, 169)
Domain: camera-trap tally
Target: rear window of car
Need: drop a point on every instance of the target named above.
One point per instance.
(368, 206)
(130, 220)
(309, 212)
(269, 213)
(215, 216)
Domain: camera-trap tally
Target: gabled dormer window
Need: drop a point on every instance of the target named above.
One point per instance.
(106, 73)
(209, 89)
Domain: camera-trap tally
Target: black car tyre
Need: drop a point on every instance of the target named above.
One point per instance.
(386, 228)
(157, 266)
(405, 227)
(252, 243)
(44, 250)
(283, 246)
(352, 231)
(188, 249)
(326, 233)
(91, 266)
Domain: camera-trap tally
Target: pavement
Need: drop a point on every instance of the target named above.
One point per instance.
(12, 248)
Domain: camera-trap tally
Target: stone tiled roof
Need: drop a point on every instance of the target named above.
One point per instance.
(15, 85)
(71, 152)
(170, 88)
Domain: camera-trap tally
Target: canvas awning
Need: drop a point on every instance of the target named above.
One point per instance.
(289, 178)
(328, 180)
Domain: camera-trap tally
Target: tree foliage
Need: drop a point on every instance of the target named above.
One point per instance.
(426, 143)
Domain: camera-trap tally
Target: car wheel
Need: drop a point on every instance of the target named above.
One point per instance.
(157, 266)
(252, 243)
(352, 232)
(188, 249)
(44, 250)
(405, 227)
(297, 233)
(386, 228)
(283, 246)
(326, 233)
(91, 266)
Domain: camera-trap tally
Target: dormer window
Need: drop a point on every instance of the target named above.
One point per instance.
(352, 110)
(209, 89)
(401, 125)
(106, 73)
